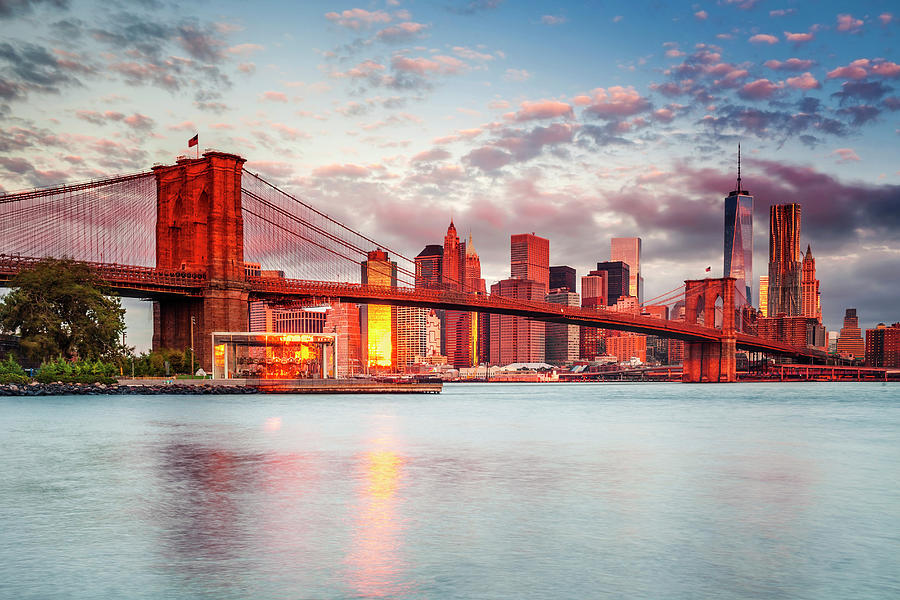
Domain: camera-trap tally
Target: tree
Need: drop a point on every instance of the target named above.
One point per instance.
(61, 308)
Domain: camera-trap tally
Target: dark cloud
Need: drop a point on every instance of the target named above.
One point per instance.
(860, 115)
(17, 8)
(861, 91)
(31, 67)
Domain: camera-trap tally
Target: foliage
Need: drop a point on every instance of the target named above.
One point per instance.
(59, 307)
(11, 371)
(154, 363)
(81, 371)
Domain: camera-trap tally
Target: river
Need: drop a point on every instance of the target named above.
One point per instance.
(484, 491)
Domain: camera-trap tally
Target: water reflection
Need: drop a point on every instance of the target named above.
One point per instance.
(376, 563)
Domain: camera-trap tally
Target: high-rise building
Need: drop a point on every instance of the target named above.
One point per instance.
(453, 267)
(850, 343)
(530, 258)
(618, 277)
(517, 339)
(809, 287)
(628, 251)
(627, 346)
(428, 266)
(764, 295)
(739, 240)
(474, 282)
(412, 334)
(562, 277)
(460, 327)
(883, 346)
(594, 289)
(343, 321)
(378, 322)
(784, 260)
(562, 341)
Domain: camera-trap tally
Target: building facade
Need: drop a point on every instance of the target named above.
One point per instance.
(883, 346)
(628, 250)
(739, 242)
(517, 339)
(784, 260)
(562, 277)
(618, 277)
(378, 325)
(562, 341)
(810, 300)
(850, 343)
(529, 256)
(764, 295)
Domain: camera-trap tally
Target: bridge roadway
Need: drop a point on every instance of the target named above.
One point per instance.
(148, 282)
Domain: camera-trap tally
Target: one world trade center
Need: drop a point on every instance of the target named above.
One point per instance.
(739, 240)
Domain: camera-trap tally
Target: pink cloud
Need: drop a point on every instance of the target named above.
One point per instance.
(664, 114)
(674, 53)
(701, 15)
(885, 69)
(183, 126)
(791, 64)
(616, 101)
(804, 82)
(271, 168)
(435, 154)
(358, 18)
(848, 23)
(760, 89)
(885, 18)
(855, 70)
(273, 97)
(245, 49)
(763, 38)
(846, 155)
(425, 66)
(488, 158)
(345, 170)
(401, 32)
(516, 75)
(553, 20)
(289, 133)
(361, 71)
(542, 109)
(798, 38)
(781, 12)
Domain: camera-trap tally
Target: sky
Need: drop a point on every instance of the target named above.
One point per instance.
(579, 121)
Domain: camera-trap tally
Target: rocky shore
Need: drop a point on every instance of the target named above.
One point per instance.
(97, 389)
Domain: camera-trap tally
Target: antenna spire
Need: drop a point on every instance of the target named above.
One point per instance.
(739, 169)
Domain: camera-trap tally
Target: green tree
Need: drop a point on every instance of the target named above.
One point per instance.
(61, 308)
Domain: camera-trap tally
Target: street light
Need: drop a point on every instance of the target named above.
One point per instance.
(192, 346)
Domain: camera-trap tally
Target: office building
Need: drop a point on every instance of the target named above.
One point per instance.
(850, 343)
(530, 258)
(343, 322)
(628, 250)
(412, 334)
(517, 339)
(810, 299)
(784, 260)
(594, 289)
(627, 346)
(618, 277)
(428, 266)
(883, 346)
(378, 326)
(562, 341)
(562, 277)
(764, 295)
(460, 327)
(739, 240)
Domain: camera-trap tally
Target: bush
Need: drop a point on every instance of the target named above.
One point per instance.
(11, 371)
(86, 371)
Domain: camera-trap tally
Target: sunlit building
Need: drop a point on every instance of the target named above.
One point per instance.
(593, 295)
(562, 277)
(784, 260)
(530, 258)
(428, 266)
(739, 240)
(627, 346)
(883, 346)
(764, 295)
(517, 339)
(377, 322)
(460, 327)
(343, 322)
(412, 335)
(628, 250)
(850, 343)
(809, 287)
(562, 340)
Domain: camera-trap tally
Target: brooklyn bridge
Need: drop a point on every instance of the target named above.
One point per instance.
(179, 235)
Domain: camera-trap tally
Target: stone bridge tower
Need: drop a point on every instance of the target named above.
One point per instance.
(710, 302)
(200, 229)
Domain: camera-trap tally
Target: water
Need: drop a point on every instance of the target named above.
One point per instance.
(485, 491)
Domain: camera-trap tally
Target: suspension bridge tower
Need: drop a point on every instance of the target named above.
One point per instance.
(200, 229)
(710, 302)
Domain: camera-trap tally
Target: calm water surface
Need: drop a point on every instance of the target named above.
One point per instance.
(485, 491)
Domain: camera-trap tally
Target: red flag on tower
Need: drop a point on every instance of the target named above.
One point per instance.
(194, 140)
(708, 269)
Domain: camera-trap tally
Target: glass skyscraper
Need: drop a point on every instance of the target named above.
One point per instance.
(739, 242)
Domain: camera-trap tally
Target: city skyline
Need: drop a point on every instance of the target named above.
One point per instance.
(397, 108)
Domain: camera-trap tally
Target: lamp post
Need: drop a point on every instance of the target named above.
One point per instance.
(192, 346)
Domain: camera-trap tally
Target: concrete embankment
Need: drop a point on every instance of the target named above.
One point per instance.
(99, 389)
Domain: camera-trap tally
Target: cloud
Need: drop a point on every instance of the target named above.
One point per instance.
(885, 18)
(358, 18)
(542, 109)
(861, 91)
(855, 70)
(470, 54)
(438, 64)
(245, 49)
(615, 102)
(553, 20)
(781, 12)
(516, 75)
(701, 15)
(471, 7)
(848, 24)
(798, 38)
(804, 82)
(18, 8)
(791, 64)
(763, 38)
(433, 155)
(488, 158)
(341, 171)
(401, 32)
(271, 96)
(845, 155)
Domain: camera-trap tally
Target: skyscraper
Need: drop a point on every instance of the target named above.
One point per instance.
(739, 240)
(562, 277)
(428, 266)
(453, 267)
(628, 251)
(850, 343)
(530, 258)
(809, 287)
(474, 282)
(594, 289)
(517, 339)
(784, 260)
(377, 322)
(460, 327)
(883, 346)
(618, 277)
(562, 341)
